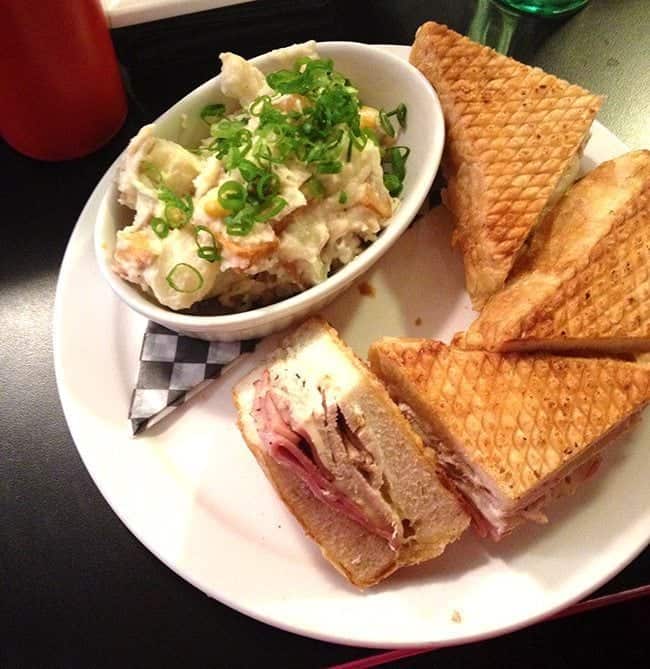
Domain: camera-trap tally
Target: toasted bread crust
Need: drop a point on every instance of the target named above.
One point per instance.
(585, 282)
(435, 516)
(512, 134)
(517, 418)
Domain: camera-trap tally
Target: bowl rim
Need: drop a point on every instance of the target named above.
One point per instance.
(135, 299)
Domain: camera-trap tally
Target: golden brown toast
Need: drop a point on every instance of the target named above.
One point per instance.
(584, 284)
(518, 419)
(514, 137)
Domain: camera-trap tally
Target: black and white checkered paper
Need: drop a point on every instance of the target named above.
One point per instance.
(175, 368)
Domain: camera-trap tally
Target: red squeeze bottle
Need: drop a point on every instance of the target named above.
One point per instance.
(61, 95)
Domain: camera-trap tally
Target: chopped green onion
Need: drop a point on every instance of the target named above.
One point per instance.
(359, 141)
(277, 205)
(232, 195)
(226, 128)
(255, 108)
(313, 189)
(371, 135)
(398, 163)
(263, 153)
(209, 251)
(393, 184)
(152, 171)
(322, 132)
(248, 169)
(178, 210)
(329, 167)
(242, 222)
(244, 140)
(400, 113)
(175, 216)
(386, 125)
(286, 81)
(184, 278)
(213, 113)
(267, 186)
(160, 227)
(335, 141)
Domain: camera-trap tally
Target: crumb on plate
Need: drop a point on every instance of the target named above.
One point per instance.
(366, 289)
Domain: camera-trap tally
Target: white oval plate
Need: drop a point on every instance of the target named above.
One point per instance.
(192, 493)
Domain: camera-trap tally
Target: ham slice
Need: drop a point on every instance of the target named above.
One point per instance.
(493, 516)
(291, 443)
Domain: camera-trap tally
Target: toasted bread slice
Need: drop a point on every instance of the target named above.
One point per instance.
(510, 430)
(361, 443)
(584, 284)
(514, 139)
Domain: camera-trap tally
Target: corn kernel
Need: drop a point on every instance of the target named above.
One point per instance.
(214, 209)
(368, 117)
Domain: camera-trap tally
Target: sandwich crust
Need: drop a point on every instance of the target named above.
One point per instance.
(431, 516)
(519, 419)
(514, 134)
(584, 283)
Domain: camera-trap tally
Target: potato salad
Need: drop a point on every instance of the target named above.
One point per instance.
(294, 178)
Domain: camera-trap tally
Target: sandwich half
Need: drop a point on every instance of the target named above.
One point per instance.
(515, 135)
(511, 431)
(343, 458)
(584, 283)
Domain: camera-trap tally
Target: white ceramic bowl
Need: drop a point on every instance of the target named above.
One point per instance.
(384, 80)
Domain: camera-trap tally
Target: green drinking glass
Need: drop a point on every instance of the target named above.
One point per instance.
(545, 7)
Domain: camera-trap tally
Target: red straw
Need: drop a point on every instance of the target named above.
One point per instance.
(580, 607)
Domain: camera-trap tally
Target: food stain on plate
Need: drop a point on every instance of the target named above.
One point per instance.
(367, 289)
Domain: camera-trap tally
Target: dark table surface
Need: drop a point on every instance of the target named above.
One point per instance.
(76, 588)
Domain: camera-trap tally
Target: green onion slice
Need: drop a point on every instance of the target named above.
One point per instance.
(343, 197)
(277, 205)
(248, 169)
(184, 278)
(393, 184)
(255, 108)
(400, 113)
(232, 195)
(206, 251)
(226, 128)
(213, 113)
(175, 216)
(398, 162)
(370, 134)
(386, 125)
(242, 222)
(267, 186)
(313, 189)
(160, 227)
(329, 167)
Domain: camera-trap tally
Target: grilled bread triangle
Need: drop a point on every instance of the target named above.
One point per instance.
(514, 138)
(585, 281)
(510, 429)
